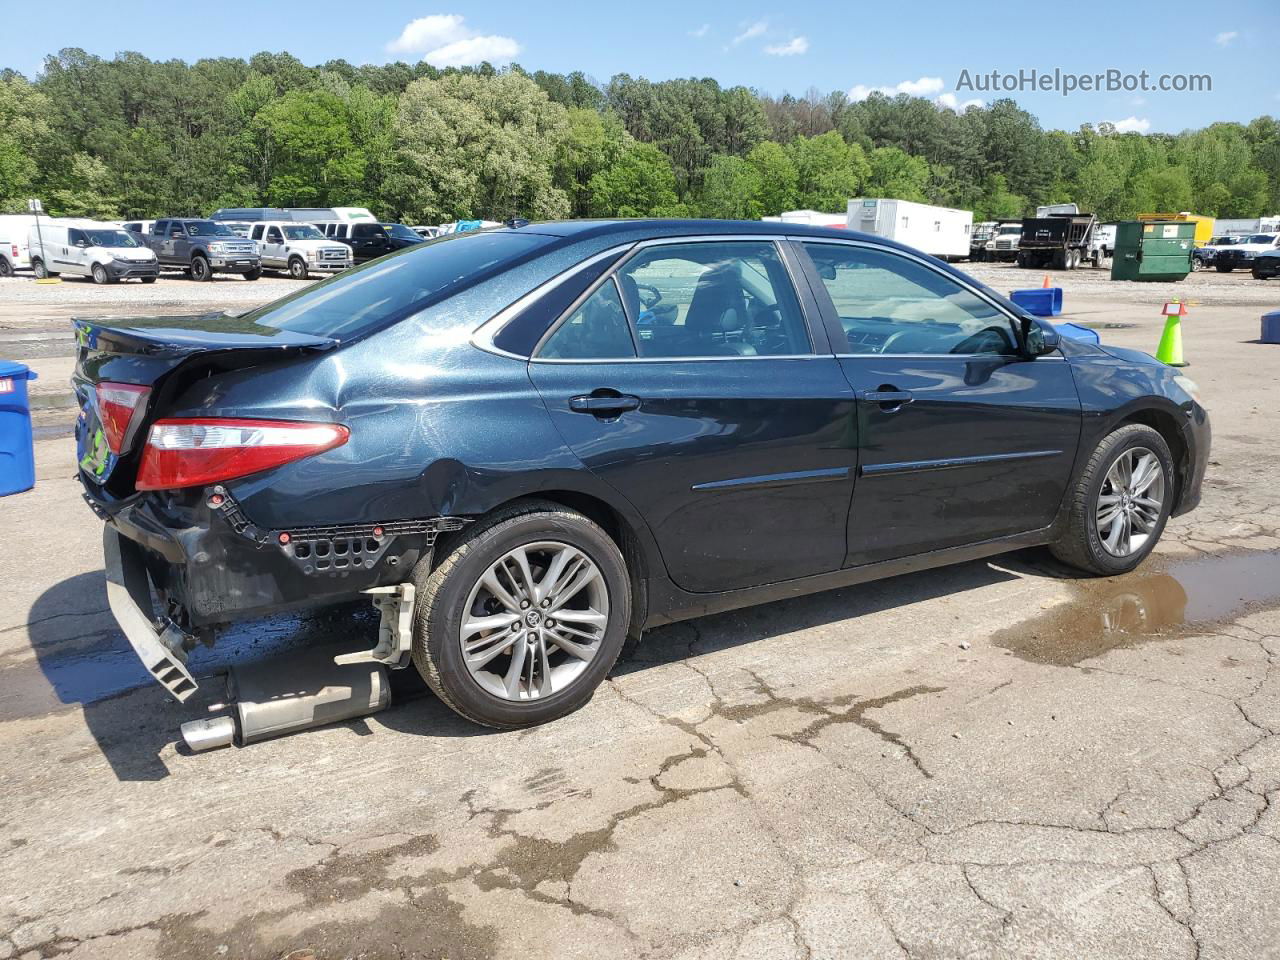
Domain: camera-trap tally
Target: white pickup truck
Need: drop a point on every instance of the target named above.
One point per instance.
(299, 248)
(1243, 254)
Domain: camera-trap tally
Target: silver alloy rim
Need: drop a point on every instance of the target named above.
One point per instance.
(1130, 502)
(534, 621)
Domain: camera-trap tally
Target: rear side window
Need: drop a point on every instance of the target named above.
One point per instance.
(391, 288)
(597, 330)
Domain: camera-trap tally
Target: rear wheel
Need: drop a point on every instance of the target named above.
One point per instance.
(297, 268)
(40, 270)
(6, 268)
(1121, 503)
(523, 618)
(200, 270)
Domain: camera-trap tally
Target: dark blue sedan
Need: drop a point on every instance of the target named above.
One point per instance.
(542, 440)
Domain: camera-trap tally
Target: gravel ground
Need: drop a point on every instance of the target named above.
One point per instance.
(168, 291)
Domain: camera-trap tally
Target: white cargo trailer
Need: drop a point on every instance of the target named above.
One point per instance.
(1227, 227)
(812, 218)
(939, 231)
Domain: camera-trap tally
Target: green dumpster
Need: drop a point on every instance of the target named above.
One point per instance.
(1156, 250)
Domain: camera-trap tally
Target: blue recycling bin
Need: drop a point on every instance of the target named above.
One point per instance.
(17, 455)
(1042, 301)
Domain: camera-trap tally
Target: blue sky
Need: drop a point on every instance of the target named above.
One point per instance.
(773, 46)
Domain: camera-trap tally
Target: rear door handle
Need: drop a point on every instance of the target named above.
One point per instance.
(889, 400)
(604, 405)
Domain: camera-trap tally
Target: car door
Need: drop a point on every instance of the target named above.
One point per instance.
(369, 240)
(179, 246)
(690, 380)
(273, 246)
(962, 437)
(73, 256)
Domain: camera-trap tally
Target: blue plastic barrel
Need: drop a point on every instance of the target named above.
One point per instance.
(1042, 301)
(17, 455)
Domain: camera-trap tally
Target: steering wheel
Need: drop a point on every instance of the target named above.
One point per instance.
(986, 340)
(653, 293)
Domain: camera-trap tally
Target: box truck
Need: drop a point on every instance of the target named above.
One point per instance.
(939, 231)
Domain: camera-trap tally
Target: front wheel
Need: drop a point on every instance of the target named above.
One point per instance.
(1120, 504)
(253, 274)
(524, 616)
(200, 270)
(298, 268)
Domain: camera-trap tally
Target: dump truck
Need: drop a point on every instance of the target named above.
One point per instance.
(1059, 237)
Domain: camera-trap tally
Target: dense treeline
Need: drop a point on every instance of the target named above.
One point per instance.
(132, 137)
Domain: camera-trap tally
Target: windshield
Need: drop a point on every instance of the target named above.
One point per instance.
(303, 231)
(401, 232)
(1008, 230)
(398, 285)
(207, 228)
(111, 238)
(1261, 238)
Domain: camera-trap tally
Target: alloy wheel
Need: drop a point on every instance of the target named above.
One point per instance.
(1130, 502)
(534, 621)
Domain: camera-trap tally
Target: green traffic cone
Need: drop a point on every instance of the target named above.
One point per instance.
(1170, 349)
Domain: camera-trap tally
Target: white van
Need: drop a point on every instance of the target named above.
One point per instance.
(14, 253)
(87, 248)
(299, 248)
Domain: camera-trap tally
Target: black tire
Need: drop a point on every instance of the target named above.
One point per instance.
(40, 270)
(6, 268)
(297, 268)
(1060, 258)
(1023, 260)
(1222, 267)
(442, 594)
(1080, 545)
(100, 274)
(148, 279)
(253, 274)
(201, 272)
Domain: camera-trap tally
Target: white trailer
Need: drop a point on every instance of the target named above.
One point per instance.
(812, 218)
(1241, 227)
(938, 231)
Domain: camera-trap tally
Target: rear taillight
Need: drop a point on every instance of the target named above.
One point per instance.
(14, 247)
(120, 407)
(196, 452)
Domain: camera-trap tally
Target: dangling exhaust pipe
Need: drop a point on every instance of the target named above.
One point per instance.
(288, 694)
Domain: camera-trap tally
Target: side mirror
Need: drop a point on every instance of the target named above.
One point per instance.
(1038, 338)
(82, 244)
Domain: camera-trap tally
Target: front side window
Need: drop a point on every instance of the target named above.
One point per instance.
(273, 235)
(256, 232)
(597, 330)
(77, 238)
(888, 304)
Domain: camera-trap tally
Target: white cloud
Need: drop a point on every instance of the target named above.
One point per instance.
(1132, 125)
(444, 40)
(952, 102)
(750, 33)
(925, 86)
(1224, 39)
(701, 31)
(792, 47)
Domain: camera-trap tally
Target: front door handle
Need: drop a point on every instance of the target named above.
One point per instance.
(889, 400)
(607, 405)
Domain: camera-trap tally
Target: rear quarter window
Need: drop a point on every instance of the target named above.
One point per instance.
(397, 286)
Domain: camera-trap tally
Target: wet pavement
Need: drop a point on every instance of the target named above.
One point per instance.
(999, 759)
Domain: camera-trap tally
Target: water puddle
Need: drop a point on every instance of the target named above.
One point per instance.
(1159, 598)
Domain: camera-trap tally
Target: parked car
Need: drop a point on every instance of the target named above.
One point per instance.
(1202, 257)
(87, 248)
(368, 241)
(426, 232)
(565, 433)
(202, 248)
(299, 248)
(14, 253)
(1266, 265)
(1243, 253)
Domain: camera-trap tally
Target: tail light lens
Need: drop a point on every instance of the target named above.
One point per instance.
(197, 452)
(14, 248)
(120, 406)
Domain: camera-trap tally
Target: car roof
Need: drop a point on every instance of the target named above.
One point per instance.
(582, 229)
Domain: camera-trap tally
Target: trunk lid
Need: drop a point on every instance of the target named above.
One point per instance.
(163, 354)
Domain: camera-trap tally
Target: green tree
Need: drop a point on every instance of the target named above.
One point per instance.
(777, 177)
(641, 183)
(897, 175)
(315, 160)
(593, 142)
(828, 171)
(474, 145)
(731, 189)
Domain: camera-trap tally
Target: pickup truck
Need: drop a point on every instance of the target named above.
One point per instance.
(202, 248)
(299, 248)
(1243, 254)
(369, 241)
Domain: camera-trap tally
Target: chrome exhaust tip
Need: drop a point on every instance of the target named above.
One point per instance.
(209, 733)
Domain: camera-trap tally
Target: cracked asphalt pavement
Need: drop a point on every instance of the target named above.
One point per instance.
(998, 759)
